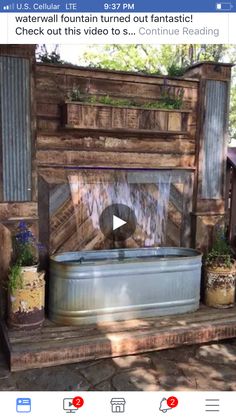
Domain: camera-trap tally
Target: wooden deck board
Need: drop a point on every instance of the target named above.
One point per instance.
(56, 345)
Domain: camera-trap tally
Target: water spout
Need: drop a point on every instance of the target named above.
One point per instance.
(74, 189)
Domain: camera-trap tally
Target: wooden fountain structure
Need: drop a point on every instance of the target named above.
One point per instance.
(53, 138)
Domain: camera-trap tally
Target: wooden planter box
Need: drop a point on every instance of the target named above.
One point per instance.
(78, 115)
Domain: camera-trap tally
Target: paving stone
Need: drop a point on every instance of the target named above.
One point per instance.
(59, 378)
(231, 342)
(162, 364)
(217, 354)
(232, 386)
(183, 353)
(171, 377)
(8, 388)
(145, 379)
(132, 361)
(105, 386)
(4, 370)
(206, 367)
(86, 364)
(8, 383)
(95, 374)
(4, 374)
(166, 369)
(209, 377)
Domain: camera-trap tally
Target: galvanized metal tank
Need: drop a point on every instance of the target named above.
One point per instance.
(93, 286)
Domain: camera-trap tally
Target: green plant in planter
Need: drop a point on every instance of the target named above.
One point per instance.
(219, 274)
(25, 249)
(220, 255)
(15, 277)
(107, 100)
(26, 285)
(75, 95)
(25, 246)
(169, 100)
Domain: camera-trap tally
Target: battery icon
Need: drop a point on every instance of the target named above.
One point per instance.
(224, 7)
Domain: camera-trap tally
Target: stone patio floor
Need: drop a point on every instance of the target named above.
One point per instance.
(203, 367)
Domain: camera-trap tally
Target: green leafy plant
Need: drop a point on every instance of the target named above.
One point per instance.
(167, 101)
(162, 104)
(15, 277)
(25, 253)
(107, 100)
(75, 95)
(172, 99)
(175, 70)
(24, 246)
(220, 255)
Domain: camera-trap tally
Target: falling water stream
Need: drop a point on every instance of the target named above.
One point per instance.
(147, 196)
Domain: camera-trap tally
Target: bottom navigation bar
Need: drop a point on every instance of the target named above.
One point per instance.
(116, 404)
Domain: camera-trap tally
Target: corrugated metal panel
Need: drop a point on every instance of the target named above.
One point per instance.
(214, 134)
(15, 125)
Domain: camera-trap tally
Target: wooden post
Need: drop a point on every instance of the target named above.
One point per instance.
(213, 110)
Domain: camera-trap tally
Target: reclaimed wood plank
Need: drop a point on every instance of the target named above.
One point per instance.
(44, 71)
(44, 222)
(110, 159)
(90, 339)
(98, 116)
(76, 142)
(37, 355)
(50, 329)
(19, 210)
(58, 175)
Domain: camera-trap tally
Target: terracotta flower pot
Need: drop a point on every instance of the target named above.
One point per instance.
(26, 305)
(219, 285)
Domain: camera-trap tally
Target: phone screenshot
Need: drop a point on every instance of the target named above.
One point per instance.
(117, 209)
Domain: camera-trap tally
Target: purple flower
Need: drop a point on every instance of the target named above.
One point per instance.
(22, 225)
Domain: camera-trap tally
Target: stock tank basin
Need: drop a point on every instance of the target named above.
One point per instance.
(95, 286)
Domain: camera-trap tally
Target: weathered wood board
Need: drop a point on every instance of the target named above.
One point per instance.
(56, 345)
(163, 209)
(137, 137)
(104, 117)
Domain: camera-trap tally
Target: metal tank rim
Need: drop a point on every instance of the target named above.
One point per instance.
(70, 257)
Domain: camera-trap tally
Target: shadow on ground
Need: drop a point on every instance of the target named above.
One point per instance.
(206, 367)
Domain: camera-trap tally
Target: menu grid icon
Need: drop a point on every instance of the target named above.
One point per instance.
(212, 405)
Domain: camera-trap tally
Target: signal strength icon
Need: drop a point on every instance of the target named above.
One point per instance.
(8, 7)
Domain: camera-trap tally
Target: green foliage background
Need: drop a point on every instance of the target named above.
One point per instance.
(164, 59)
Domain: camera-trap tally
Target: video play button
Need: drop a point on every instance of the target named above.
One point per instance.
(117, 222)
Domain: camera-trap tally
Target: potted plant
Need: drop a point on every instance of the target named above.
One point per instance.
(26, 285)
(84, 111)
(220, 274)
